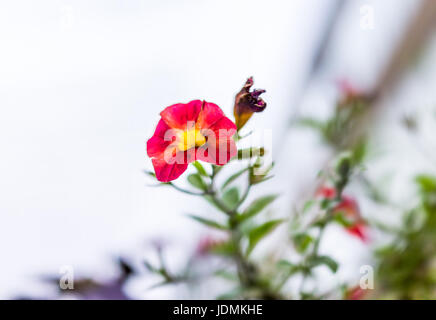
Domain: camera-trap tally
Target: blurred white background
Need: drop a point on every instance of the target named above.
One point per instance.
(81, 87)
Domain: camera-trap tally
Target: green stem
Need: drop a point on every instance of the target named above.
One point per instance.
(247, 272)
(186, 191)
(315, 250)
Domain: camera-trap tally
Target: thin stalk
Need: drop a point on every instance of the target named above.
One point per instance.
(192, 193)
(247, 273)
(315, 250)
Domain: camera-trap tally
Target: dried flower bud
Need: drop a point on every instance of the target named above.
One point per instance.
(246, 103)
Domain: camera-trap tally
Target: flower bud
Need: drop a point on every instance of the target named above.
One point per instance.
(247, 102)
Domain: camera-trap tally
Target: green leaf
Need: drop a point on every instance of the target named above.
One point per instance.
(200, 169)
(227, 275)
(302, 242)
(426, 183)
(308, 205)
(209, 199)
(256, 206)
(340, 217)
(233, 178)
(216, 169)
(150, 267)
(208, 222)
(289, 267)
(285, 264)
(327, 203)
(360, 151)
(344, 165)
(262, 180)
(150, 173)
(231, 197)
(196, 181)
(261, 174)
(323, 260)
(260, 232)
(311, 123)
(226, 248)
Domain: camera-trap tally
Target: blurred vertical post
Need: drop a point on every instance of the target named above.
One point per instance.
(320, 50)
(414, 40)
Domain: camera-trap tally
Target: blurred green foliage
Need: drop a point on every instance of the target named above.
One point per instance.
(407, 267)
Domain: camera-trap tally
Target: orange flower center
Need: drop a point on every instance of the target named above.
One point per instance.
(190, 138)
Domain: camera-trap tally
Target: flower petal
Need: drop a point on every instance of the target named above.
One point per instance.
(166, 172)
(178, 115)
(209, 115)
(326, 192)
(215, 153)
(156, 145)
(349, 207)
(220, 146)
(359, 230)
(224, 124)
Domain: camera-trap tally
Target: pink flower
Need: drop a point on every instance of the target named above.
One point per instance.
(207, 244)
(348, 206)
(356, 293)
(197, 130)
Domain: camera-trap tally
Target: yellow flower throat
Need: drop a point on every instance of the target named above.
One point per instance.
(190, 138)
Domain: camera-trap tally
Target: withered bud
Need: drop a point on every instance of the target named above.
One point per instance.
(246, 103)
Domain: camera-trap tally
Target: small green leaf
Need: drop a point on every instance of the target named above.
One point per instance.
(256, 206)
(150, 267)
(208, 222)
(233, 178)
(150, 173)
(227, 275)
(324, 260)
(326, 203)
(289, 267)
(200, 169)
(261, 173)
(285, 264)
(226, 248)
(302, 242)
(340, 217)
(426, 183)
(231, 197)
(360, 151)
(216, 169)
(209, 199)
(262, 180)
(308, 205)
(196, 181)
(260, 232)
(311, 123)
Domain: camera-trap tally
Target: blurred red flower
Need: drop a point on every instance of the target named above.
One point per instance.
(356, 293)
(197, 130)
(207, 244)
(348, 206)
